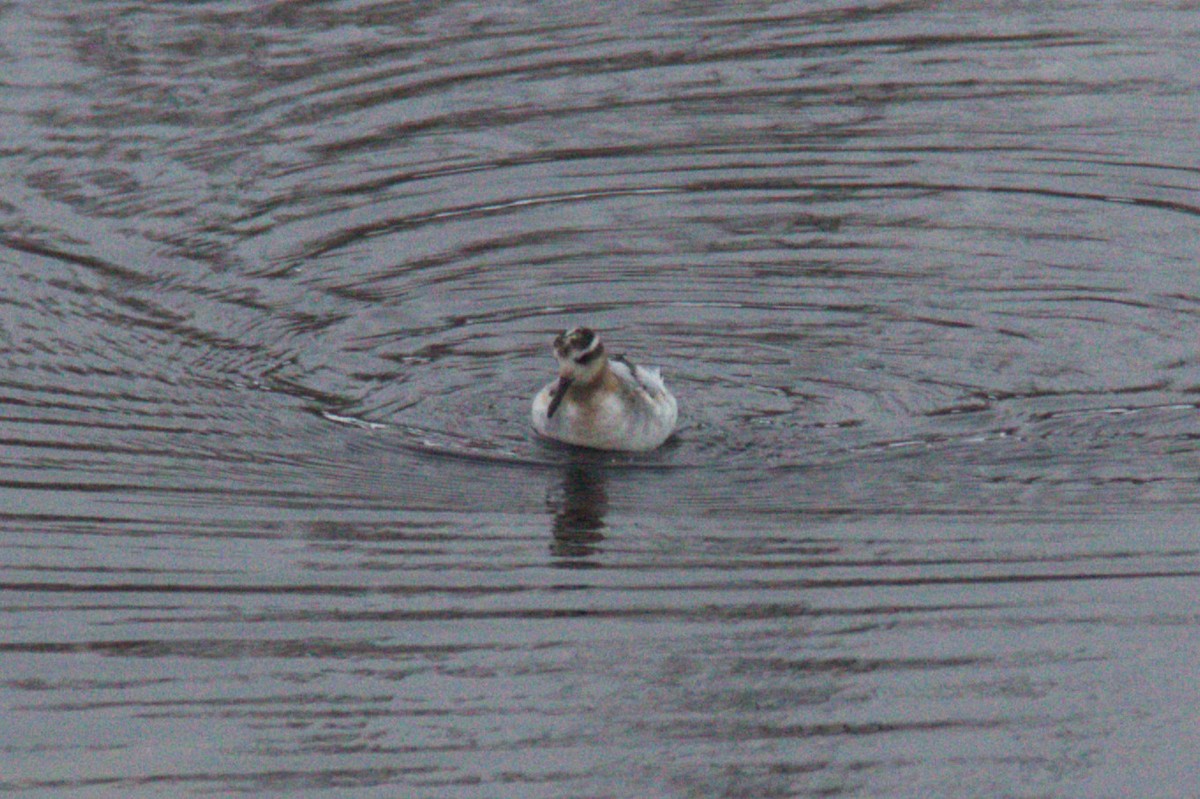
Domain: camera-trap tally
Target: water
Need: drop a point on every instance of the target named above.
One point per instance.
(278, 283)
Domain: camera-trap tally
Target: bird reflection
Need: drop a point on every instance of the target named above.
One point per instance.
(578, 514)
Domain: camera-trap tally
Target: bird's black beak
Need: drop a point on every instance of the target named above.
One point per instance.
(556, 396)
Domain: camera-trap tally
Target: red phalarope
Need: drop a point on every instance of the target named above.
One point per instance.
(600, 402)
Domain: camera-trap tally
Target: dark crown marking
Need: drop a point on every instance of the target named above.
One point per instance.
(582, 337)
(590, 355)
(586, 343)
(580, 344)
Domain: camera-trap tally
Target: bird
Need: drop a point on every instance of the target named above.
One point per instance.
(601, 402)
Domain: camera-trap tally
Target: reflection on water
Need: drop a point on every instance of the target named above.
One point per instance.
(578, 509)
(276, 287)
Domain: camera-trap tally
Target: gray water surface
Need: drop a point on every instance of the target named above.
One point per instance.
(278, 281)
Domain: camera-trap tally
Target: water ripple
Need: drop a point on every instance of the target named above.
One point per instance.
(278, 282)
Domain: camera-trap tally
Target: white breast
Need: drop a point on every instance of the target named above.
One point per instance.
(639, 419)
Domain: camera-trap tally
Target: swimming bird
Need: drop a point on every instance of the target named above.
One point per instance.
(602, 402)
